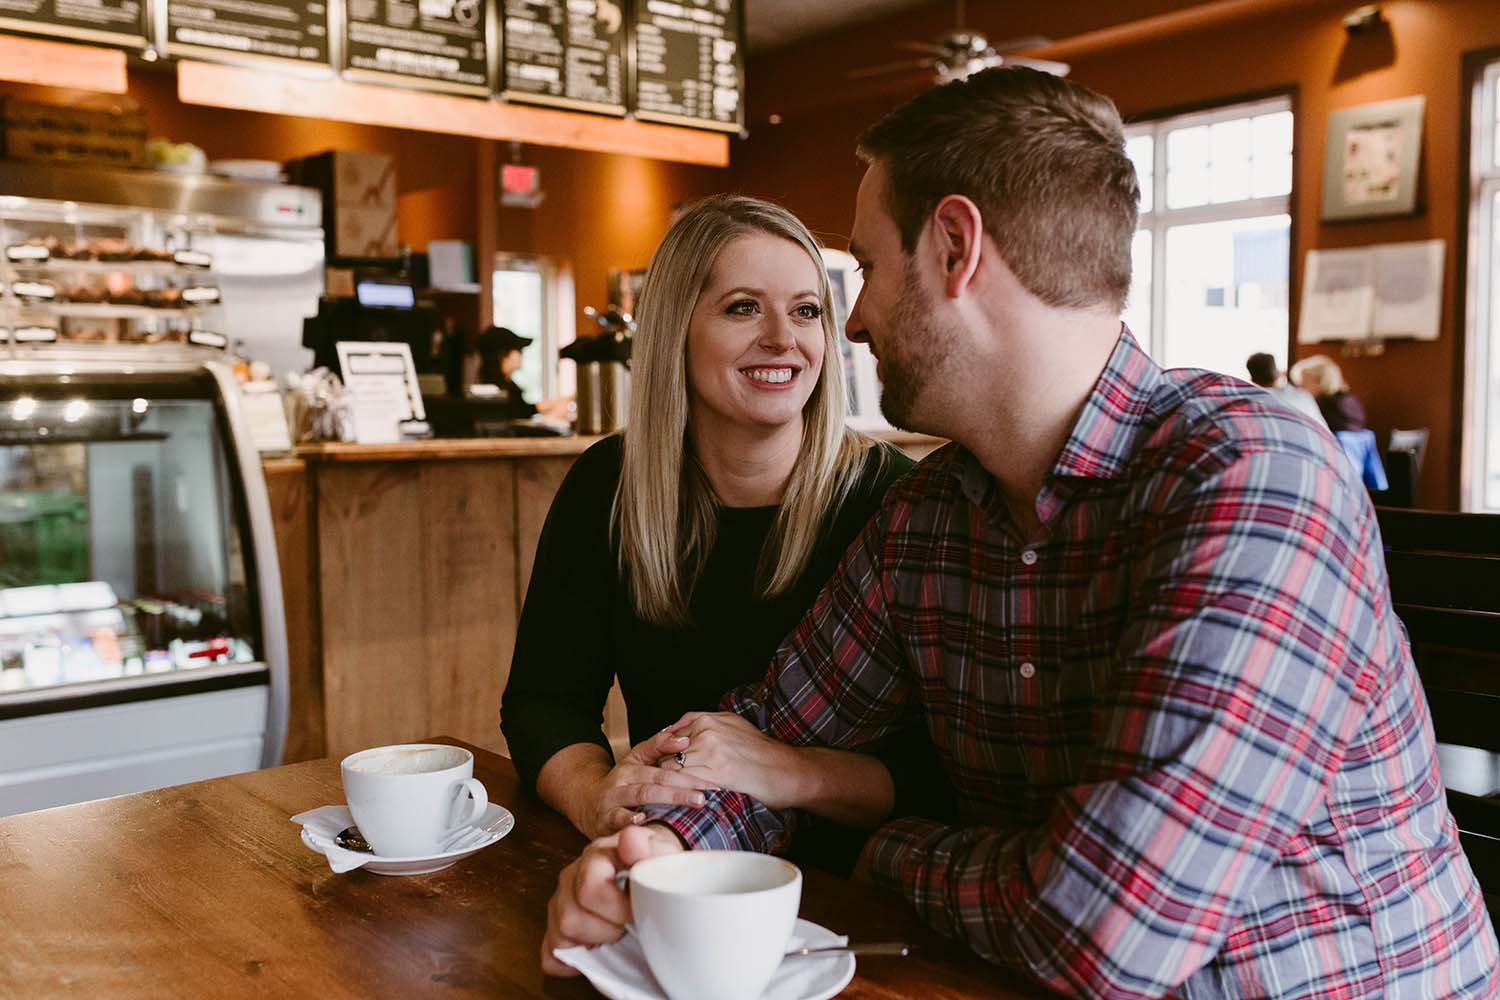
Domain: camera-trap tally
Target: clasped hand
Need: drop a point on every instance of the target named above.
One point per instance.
(730, 752)
(614, 800)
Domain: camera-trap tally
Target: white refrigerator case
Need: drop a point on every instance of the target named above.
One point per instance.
(142, 634)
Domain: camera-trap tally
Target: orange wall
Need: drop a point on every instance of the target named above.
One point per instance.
(807, 161)
(602, 211)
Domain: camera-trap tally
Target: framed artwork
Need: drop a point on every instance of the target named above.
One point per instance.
(1371, 160)
(856, 360)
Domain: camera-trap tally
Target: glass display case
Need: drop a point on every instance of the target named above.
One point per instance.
(142, 639)
(76, 271)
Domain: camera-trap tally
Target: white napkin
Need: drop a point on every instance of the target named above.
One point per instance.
(620, 971)
(322, 825)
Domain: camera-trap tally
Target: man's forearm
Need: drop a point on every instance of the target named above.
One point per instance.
(844, 786)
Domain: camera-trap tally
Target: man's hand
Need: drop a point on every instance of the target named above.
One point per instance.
(588, 908)
(731, 753)
(610, 804)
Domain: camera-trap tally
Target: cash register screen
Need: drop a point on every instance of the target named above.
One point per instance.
(381, 295)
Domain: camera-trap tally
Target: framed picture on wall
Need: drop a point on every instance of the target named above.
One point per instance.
(857, 362)
(1371, 160)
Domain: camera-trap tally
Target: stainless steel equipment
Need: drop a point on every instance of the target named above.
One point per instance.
(603, 396)
(603, 379)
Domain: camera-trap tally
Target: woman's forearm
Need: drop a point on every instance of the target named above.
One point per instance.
(847, 787)
(567, 779)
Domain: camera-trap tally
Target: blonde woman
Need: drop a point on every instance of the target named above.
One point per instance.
(1320, 375)
(678, 555)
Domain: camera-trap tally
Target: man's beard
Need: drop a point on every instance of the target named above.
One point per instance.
(913, 354)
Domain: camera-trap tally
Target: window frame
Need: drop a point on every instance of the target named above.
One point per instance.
(1160, 218)
(1479, 187)
(557, 311)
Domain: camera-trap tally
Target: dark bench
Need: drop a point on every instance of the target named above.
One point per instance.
(1445, 581)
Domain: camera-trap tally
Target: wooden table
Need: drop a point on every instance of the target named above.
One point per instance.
(205, 890)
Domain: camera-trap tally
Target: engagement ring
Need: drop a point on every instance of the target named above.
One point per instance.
(681, 758)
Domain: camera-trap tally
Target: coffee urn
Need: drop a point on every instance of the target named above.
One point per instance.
(603, 360)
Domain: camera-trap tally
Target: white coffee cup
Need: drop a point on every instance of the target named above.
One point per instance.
(714, 925)
(408, 799)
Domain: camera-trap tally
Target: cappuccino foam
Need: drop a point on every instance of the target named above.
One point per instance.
(408, 760)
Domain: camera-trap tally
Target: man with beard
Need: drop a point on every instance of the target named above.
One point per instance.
(1143, 615)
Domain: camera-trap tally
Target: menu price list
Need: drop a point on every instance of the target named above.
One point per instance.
(104, 20)
(439, 42)
(689, 61)
(251, 27)
(566, 52)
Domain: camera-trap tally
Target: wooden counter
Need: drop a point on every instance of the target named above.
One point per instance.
(404, 568)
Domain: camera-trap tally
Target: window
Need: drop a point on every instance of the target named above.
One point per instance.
(1213, 252)
(533, 297)
(1482, 410)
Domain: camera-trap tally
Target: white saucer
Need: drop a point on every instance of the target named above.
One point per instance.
(496, 819)
(619, 970)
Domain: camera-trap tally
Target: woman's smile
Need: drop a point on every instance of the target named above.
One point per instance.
(771, 377)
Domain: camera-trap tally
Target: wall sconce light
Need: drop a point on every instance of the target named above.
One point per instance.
(1363, 19)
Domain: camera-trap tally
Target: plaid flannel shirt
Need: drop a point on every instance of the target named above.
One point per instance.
(1190, 746)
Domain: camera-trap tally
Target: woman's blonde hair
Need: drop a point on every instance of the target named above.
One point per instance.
(665, 510)
(1320, 375)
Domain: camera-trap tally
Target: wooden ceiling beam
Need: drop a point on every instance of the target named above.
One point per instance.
(59, 64)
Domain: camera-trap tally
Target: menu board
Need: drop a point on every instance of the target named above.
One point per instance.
(115, 22)
(435, 44)
(278, 29)
(567, 53)
(690, 62)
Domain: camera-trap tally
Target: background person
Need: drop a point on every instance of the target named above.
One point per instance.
(499, 359)
(1320, 375)
(1265, 373)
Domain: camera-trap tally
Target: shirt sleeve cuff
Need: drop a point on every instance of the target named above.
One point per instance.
(895, 855)
(698, 828)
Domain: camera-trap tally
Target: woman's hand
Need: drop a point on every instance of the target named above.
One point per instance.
(724, 749)
(610, 803)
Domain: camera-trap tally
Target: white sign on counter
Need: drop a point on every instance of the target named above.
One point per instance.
(383, 391)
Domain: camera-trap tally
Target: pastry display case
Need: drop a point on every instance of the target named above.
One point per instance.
(142, 634)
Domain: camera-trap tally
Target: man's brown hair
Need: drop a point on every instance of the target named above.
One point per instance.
(1043, 159)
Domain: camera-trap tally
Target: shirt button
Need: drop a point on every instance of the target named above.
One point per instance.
(1029, 557)
(1028, 670)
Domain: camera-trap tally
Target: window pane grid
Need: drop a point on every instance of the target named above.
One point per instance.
(1212, 256)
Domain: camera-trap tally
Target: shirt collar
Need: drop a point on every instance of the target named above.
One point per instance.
(1116, 414)
(1107, 432)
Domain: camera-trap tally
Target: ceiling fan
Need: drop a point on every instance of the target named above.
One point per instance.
(961, 52)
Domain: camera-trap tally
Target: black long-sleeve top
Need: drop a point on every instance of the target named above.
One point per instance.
(579, 630)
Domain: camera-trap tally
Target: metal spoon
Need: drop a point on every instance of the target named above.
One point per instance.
(350, 839)
(899, 949)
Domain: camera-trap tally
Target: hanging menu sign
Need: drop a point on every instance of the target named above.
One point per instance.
(113, 22)
(690, 62)
(566, 53)
(435, 44)
(255, 29)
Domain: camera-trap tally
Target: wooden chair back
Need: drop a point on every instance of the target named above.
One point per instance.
(1445, 580)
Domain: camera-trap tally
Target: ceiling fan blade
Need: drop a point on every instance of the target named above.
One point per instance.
(928, 47)
(904, 66)
(1045, 65)
(1028, 43)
